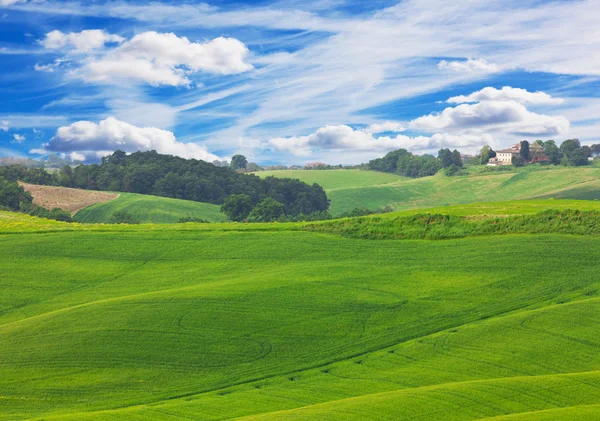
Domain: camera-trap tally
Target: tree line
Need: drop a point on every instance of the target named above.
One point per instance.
(13, 197)
(407, 164)
(402, 162)
(170, 176)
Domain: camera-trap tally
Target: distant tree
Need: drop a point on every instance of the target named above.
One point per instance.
(267, 211)
(456, 158)
(238, 162)
(237, 207)
(389, 162)
(453, 170)
(56, 214)
(123, 217)
(595, 149)
(445, 156)
(252, 166)
(552, 151)
(572, 153)
(486, 154)
(518, 161)
(525, 154)
(14, 197)
(587, 150)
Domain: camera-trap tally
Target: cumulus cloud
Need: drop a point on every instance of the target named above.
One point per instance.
(507, 93)
(93, 141)
(507, 116)
(4, 125)
(79, 42)
(470, 66)
(345, 138)
(387, 126)
(18, 138)
(166, 59)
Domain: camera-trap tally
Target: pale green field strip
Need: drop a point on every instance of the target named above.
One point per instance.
(214, 324)
(349, 189)
(150, 209)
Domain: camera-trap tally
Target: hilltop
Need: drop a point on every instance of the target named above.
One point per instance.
(349, 189)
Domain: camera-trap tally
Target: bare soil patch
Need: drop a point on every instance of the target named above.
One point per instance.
(70, 200)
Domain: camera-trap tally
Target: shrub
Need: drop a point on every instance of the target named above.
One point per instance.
(123, 217)
(193, 219)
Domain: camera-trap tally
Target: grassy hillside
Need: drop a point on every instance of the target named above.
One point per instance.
(267, 321)
(150, 209)
(350, 189)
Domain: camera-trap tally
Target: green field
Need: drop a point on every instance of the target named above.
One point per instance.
(273, 322)
(349, 189)
(150, 209)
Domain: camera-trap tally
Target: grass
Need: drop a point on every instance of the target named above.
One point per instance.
(270, 321)
(349, 189)
(150, 209)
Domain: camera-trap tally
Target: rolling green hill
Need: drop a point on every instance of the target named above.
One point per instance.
(349, 189)
(150, 209)
(273, 322)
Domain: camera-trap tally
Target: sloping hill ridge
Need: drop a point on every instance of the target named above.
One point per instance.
(150, 209)
(348, 189)
(265, 322)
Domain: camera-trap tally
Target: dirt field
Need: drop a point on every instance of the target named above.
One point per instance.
(70, 200)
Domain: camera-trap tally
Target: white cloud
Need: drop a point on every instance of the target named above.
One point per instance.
(4, 125)
(387, 126)
(470, 65)
(345, 138)
(79, 42)
(5, 3)
(76, 156)
(50, 67)
(506, 116)
(166, 59)
(507, 93)
(95, 140)
(18, 138)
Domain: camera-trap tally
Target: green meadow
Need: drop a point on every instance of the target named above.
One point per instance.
(149, 209)
(305, 321)
(349, 189)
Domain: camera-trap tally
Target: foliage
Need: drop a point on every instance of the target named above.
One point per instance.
(193, 219)
(14, 197)
(524, 152)
(486, 154)
(268, 210)
(518, 161)
(389, 162)
(238, 162)
(123, 217)
(56, 214)
(237, 207)
(416, 166)
(454, 170)
(188, 179)
(572, 153)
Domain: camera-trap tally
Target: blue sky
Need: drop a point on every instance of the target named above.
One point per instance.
(294, 81)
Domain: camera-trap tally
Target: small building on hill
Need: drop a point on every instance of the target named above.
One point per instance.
(505, 156)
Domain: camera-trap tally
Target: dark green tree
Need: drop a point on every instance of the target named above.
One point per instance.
(123, 217)
(239, 162)
(525, 154)
(13, 196)
(486, 154)
(572, 153)
(267, 211)
(237, 207)
(518, 161)
(552, 151)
